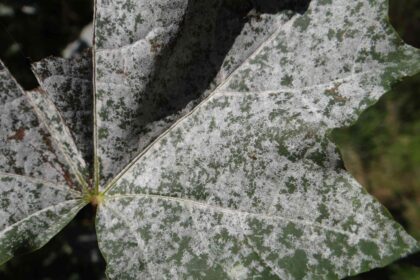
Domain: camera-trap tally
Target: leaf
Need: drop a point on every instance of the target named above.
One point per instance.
(211, 156)
(35, 176)
(247, 184)
(49, 115)
(43, 209)
(69, 86)
(149, 67)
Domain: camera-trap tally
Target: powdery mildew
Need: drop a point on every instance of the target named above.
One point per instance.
(68, 83)
(247, 185)
(144, 49)
(129, 36)
(36, 200)
(48, 114)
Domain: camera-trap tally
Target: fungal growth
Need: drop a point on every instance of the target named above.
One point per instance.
(201, 137)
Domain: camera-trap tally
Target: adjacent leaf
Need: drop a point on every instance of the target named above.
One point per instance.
(32, 212)
(27, 146)
(50, 116)
(247, 185)
(36, 177)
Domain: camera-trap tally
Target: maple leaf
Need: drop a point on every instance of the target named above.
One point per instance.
(210, 156)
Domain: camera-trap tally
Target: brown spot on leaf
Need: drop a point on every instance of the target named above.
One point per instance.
(66, 174)
(47, 140)
(333, 90)
(68, 179)
(334, 93)
(252, 156)
(18, 136)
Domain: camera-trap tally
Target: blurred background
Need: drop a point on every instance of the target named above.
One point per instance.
(382, 150)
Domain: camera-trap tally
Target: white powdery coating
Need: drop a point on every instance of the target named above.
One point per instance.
(247, 184)
(36, 199)
(254, 32)
(32, 212)
(338, 69)
(62, 138)
(26, 147)
(68, 84)
(273, 169)
(129, 37)
(168, 36)
(23, 196)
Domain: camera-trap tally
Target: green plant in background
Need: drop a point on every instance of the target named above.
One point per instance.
(338, 237)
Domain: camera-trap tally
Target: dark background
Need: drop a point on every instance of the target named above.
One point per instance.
(382, 150)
